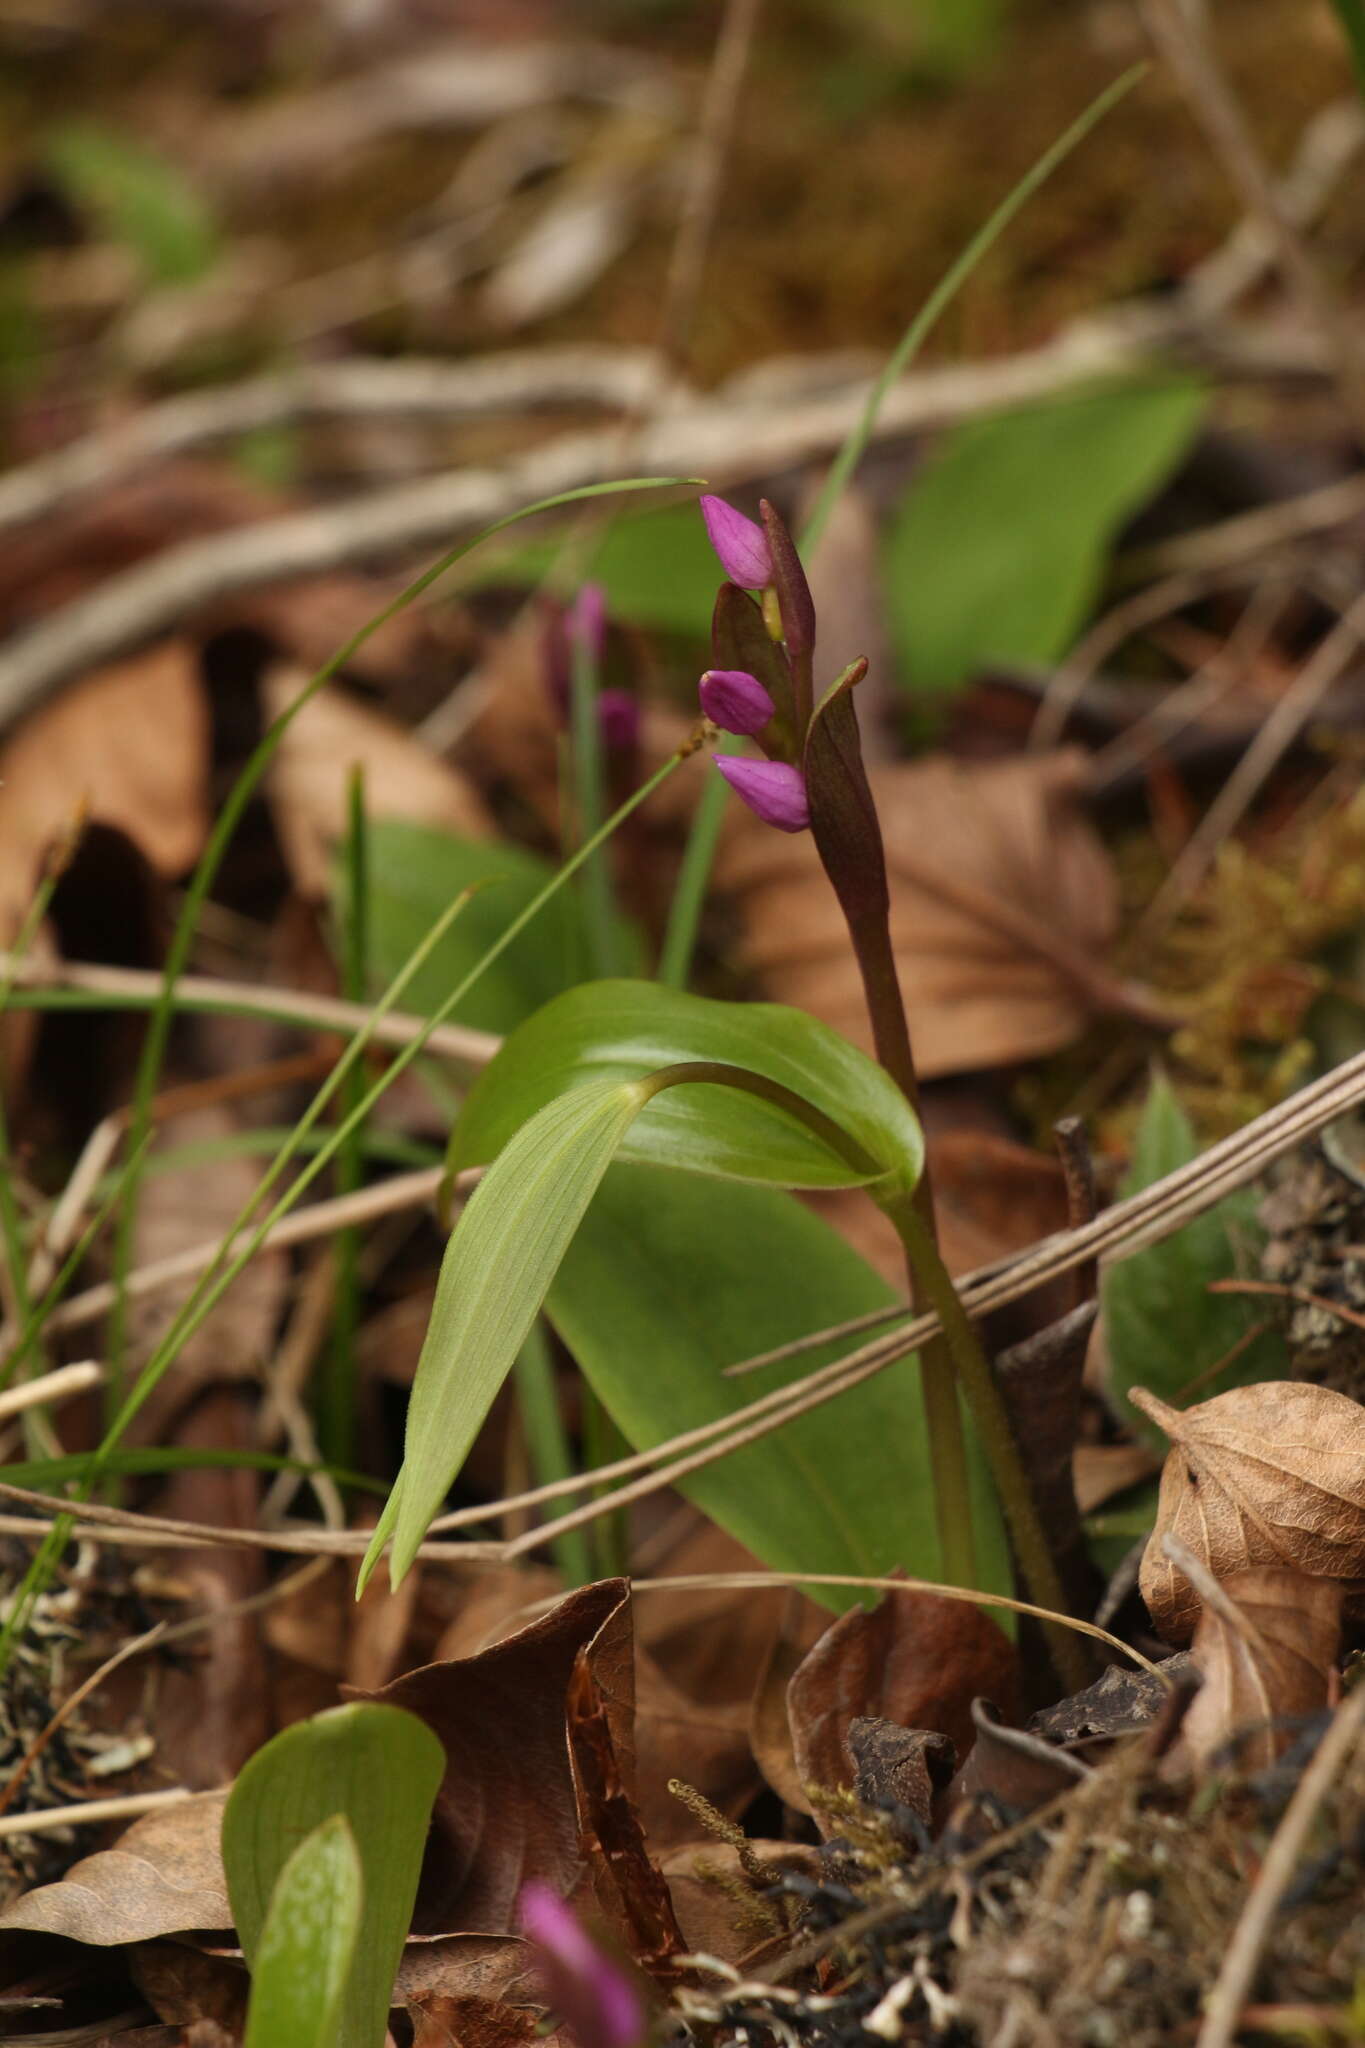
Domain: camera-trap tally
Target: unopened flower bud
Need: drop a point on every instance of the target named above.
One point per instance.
(740, 544)
(773, 790)
(735, 701)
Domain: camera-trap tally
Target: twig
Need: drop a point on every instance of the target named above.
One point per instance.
(1282, 726)
(1177, 32)
(58, 1385)
(138, 986)
(319, 1219)
(88, 1811)
(1234, 542)
(1223, 2010)
(522, 380)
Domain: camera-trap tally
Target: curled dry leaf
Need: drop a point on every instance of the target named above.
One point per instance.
(164, 1877)
(309, 778)
(914, 1659)
(1002, 906)
(1270, 1474)
(506, 1810)
(1265, 1650)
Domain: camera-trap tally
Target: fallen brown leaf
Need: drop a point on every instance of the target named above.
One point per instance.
(1266, 1653)
(1002, 906)
(911, 1767)
(443, 2022)
(1271, 1474)
(183, 1985)
(506, 1810)
(129, 745)
(1010, 1767)
(914, 1659)
(629, 1888)
(708, 1882)
(164, 1877)
(309, 778)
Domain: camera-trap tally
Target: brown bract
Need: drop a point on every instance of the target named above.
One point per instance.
(1002, 905)
(1264, 1475)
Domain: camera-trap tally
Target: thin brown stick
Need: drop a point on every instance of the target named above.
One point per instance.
(87, 1811)
(1287, 1293)
(196, 992)
(1223, 2009)
(1281, 728)
(1232, 543)
(1179, 35)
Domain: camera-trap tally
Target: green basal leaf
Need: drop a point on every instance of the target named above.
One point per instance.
(997, 551)
(1163, 1328)
(307, 1945)
(497, 1267)
(672, 1277)
(415, 871)
(379, 1767)
(625, 1030)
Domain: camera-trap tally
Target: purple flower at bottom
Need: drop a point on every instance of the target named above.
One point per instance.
(773, 790)
(735, 701)
(741, 545)
(594, 1997)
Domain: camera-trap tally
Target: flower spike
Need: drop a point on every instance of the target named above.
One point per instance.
(740, 544)
(773, 790)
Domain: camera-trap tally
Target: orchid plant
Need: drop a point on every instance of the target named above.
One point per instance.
(633, 1071)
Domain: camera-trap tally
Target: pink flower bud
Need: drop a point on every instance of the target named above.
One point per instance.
(587, 620)
(618, 718)
(596, 2000)
(741, 545)
(773, 790)
(735, 701)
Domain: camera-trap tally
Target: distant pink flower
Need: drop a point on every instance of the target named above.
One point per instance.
(596, 2000)
(586, 621)
(735, 701)
(618, 717)
(741, 545)
(773, 790)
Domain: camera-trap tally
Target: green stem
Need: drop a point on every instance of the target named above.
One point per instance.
(336, 1388)
(997, 1438)
(689, 893)
(548, 1444)
(599, 911)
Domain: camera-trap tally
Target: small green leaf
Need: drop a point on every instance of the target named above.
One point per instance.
(415, 871)
(656, 568)
(379, 1767)
(625, 1030)
(669, 1279)
(1163, 1328)
(498, 1264)
(149, 204)
(307, 1945)
(999, 546)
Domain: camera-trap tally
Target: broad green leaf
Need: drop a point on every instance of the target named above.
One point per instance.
(416, 871)
(149, 204)
(1163, 1328)
(624, 1030)
(656, 567)
(672, 1277)
(307, 1945)
(379, 1767)
(998, 549)
(498, 1264)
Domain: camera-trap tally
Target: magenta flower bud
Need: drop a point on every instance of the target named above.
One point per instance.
(735, 701)
(618, 717)
(741, 545)
(773, 790)
(596, 2000)
(586, 622)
